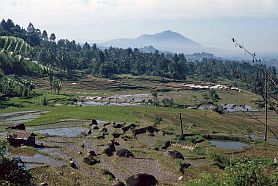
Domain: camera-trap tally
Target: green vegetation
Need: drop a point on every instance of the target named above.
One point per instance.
(242, 173)
(13, 171)
(15, 45)
(20, 87)
(66, 57)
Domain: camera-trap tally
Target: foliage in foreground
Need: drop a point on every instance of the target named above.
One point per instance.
(13, 171)
(242, 173)
(13, 86)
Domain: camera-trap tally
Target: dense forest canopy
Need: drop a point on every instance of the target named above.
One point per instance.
(64, 56)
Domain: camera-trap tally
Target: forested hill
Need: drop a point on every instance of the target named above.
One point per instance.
(67, 57)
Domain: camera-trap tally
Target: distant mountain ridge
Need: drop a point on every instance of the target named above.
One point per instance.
(164, 41)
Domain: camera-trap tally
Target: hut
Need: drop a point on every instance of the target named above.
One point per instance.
(18, 138)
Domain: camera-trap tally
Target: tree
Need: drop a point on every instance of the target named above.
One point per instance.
(31, 28)
(214, 97)
(167, 102)
(44, 35)
(106, 70)
(9, 24)
(86, 46)
(3, 24)
(52, 37)
(55, 84)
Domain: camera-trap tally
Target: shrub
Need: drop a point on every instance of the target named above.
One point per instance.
(157, 120)
(206, 180)
(167, 102)
(220, 160)
(13, 172)
(248, 173)
(200, 151)
(242, 173)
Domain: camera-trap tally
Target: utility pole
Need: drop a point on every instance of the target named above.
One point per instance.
(266, 109)
(181, 125)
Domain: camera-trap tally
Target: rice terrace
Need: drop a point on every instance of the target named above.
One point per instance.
(160, 109)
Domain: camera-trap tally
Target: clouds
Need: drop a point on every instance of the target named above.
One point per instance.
(107, 19)
(137, 9)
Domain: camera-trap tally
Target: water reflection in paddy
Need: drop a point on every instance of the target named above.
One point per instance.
(228, 144)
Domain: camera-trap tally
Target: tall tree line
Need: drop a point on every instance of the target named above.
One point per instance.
(68, 56)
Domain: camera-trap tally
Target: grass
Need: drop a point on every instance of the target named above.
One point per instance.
(205, 121)
(26, 151)
(107, 113)
(66, 176)
(22, 103)
(191, 97)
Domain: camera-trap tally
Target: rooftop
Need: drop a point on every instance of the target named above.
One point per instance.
(21, 135)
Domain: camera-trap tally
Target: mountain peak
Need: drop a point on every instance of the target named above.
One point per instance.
(167, 40)
(169, 34)
(168, 31)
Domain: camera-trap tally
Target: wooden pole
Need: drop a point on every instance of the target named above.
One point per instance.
(266, 110)
(181, 125)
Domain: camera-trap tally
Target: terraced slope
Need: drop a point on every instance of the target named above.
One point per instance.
(14, 44)
(14, 57)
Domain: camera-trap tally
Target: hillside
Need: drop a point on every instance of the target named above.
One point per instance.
(71, 60)
(14, 44)
(15, 58)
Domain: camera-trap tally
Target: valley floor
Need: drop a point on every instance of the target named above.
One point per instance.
(71, 140)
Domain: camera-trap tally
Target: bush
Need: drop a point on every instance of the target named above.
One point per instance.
(242, 173)
(200, 151)
(248, 173)
(167, 102)
(13, 172)
(220, 160)
(157, 120)
(197, 139)
(206, 180)
(154, 93)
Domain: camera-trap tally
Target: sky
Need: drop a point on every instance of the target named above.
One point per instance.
(211, 23)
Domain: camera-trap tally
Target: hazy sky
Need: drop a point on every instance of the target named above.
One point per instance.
(209, 22)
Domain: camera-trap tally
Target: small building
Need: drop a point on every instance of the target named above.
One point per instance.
(18, 138)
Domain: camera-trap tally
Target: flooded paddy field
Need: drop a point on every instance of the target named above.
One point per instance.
(116, 100)
(68, 132)
(8, 119)
(228, 144)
